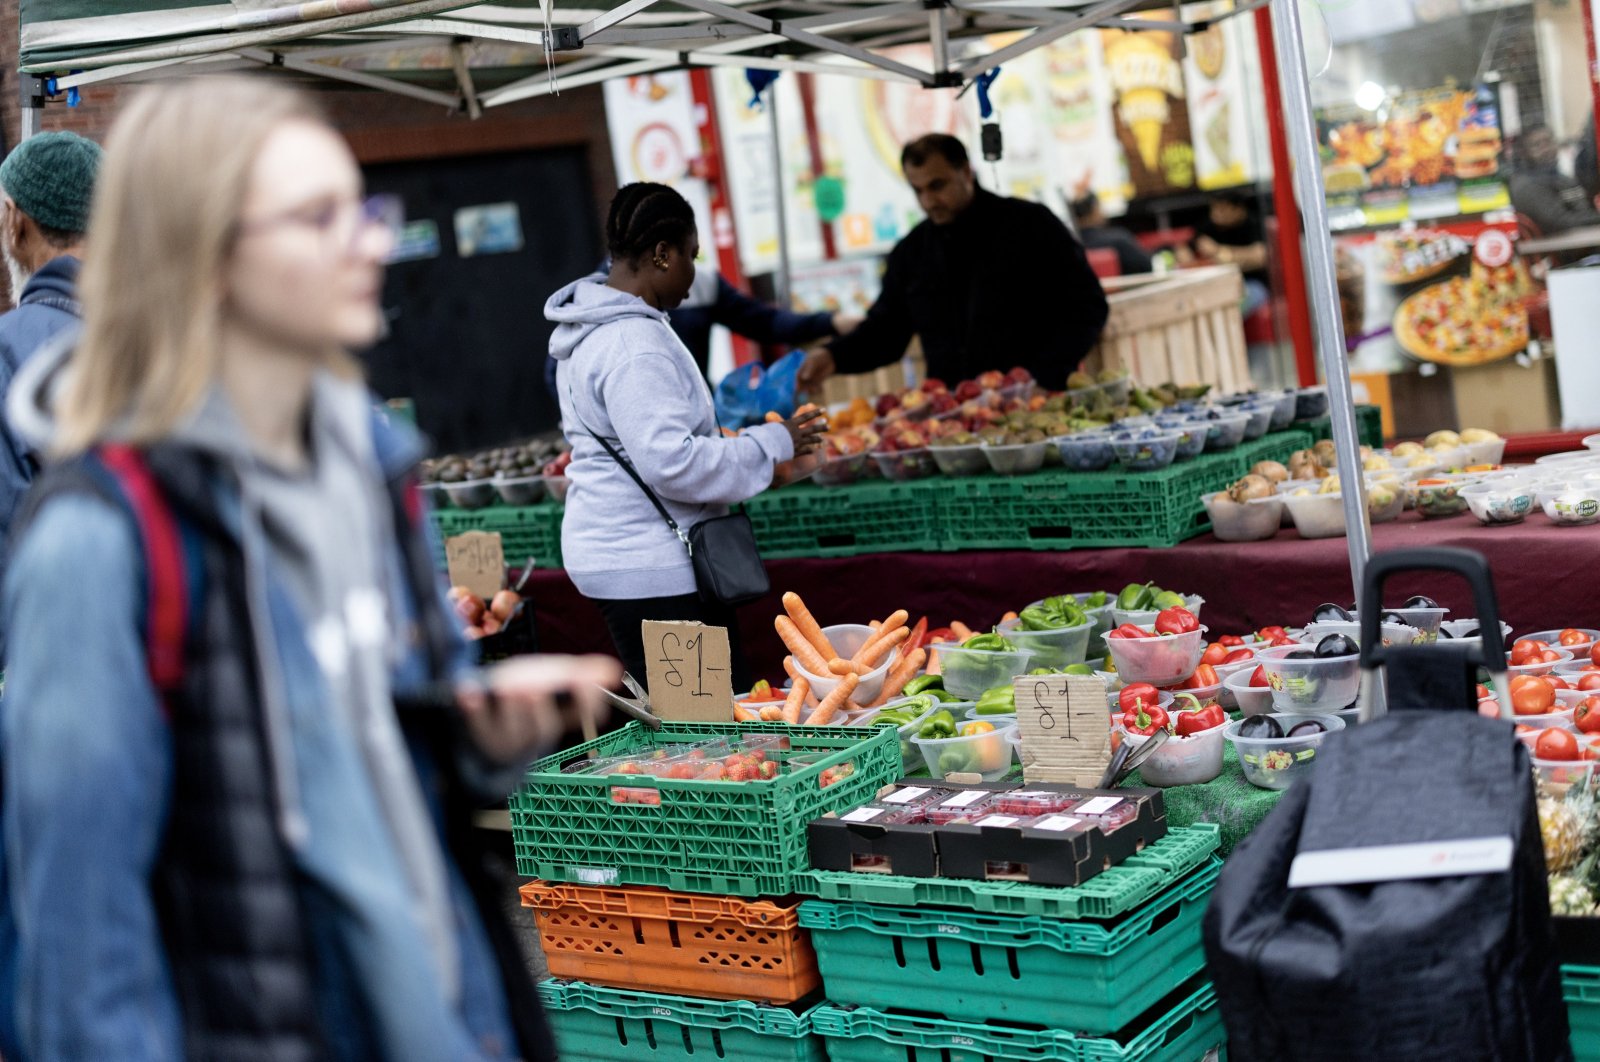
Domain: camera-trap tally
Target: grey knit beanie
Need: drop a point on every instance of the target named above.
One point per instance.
(50, 177)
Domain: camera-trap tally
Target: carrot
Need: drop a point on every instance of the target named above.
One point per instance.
(772, 713)
(876, 625)
(741, 714)
(808, 626)
(960, 630)
(874, 652)
(884, 630)
(935, 664)
(845, 667)
(805, 654)
(901, 674)
(834, 701)
(1008, 617)
(797, 697)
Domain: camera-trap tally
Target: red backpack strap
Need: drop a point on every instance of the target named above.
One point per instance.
(167, 604)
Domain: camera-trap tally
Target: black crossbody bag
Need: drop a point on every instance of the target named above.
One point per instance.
(727, 564)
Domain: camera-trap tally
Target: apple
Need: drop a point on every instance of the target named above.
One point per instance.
(932, 386)
(943, 402)
(967, 389)
(1019, 375)
(886, 403)
(991, 380)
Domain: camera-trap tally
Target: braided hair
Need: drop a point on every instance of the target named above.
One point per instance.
(643, 215)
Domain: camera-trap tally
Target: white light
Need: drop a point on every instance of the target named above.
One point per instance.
(1370, 96)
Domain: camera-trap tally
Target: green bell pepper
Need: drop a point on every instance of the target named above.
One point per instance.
(1167, 599)
(940, 724)
(923, 684)
(1053, 614)
(942, 695)
(1135, 596)
(1078, 669)
(1002, 700)
(988, 643)
(1097, 599)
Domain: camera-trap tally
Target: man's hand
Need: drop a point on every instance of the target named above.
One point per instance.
(534, 700)
(815, 370)
(845, 323)
(1206, 247)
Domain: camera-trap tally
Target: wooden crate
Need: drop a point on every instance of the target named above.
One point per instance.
(1184, 327)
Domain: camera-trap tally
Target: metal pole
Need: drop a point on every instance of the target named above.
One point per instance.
(780, 280)
(1323, 288)
(30, 95)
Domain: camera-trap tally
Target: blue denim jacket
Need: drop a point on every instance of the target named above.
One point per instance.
(88, 764)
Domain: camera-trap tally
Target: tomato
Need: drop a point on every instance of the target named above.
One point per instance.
(1483, 691)
(1594, 653)
(1549, 656)
(1216, 653)
(1238, 655)
(1533, 699)
(1270, 634)
(1526, 651)
(1587, 715)
(1590, 681)
(1258, 678)
(1490, 707)
(1557, 682)
(1230, 639)
(1519, 681)
(1555, 744)
(1572, 637)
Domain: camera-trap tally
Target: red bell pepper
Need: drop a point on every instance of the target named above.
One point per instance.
(1145, 719)
(917, 638)
(1271, 634)
(1230, 639)
(1216, 653)
(1204, 675)
(1139, 693)
(1258, 678)
(1238, 655)
(1199, 720)
(1128, 630)
(939, 635)
(1176, 621)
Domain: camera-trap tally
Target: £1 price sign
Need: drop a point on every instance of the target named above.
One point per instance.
(689, 673)
(1065, 727)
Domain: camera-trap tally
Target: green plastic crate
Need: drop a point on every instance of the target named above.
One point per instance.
(1086, 976)
(1185, 1026)
(598, 1024)
(729, 838)
(1369, 426)
(806, 520)
(1580, 987)
(525, 531)
(1106, 895)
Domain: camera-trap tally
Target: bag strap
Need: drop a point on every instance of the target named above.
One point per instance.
(167, 605)
(627, 466)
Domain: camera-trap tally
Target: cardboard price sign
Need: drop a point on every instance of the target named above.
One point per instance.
(477, 561)
(689, 672)
(1065, 728)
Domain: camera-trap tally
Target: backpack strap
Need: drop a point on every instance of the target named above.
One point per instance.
(167, 604)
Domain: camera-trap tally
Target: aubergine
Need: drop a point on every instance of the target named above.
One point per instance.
(1336, 645)
(1260, 726)
(1420, 602)
(1308, 728)
(1330, 613)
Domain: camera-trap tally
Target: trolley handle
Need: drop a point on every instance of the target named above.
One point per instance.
(1468, 564)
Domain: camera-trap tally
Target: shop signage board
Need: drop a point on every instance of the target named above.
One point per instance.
(477, 561)
(1065, 728)
(689, 671)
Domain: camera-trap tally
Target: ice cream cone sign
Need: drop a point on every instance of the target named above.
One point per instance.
(1146, 77)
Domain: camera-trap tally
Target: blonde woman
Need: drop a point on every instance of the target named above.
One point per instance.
(223, 838)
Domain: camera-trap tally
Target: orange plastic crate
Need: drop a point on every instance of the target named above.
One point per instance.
(715, 947)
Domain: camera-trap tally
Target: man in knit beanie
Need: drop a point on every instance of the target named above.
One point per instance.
(45, 187)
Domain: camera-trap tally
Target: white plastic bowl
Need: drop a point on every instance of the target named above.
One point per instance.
(846, 638)
(1426, 620)
(1160, 661)
(1259, 757)
(1316, 515)
(1579, 651)
(1018, 459)
(1249, 521)
(1494, 503)
(1541, 668)
(1252, 700)
(989, 754)
(1053, 649)
(1571, 506)
(969, 672)
(1147, 617)
(1181, 760)
(1317, 685)
(1388, 633)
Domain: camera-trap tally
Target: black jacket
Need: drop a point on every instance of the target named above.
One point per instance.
(1552, 200)
(1005, 284)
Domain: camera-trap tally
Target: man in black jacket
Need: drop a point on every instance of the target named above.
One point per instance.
(986, 282)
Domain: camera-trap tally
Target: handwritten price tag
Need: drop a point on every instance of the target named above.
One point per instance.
(690, 677)
(477, 561)
(1065, 728)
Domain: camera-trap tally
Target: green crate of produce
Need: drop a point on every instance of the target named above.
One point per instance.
(525, 531)
(1061, 509)
(1108, 894)
(598, 1024)
(1580, 987)
(1088, 976)
(730, 838)
(806, 520)
(1369, 426)
(1181, 1028)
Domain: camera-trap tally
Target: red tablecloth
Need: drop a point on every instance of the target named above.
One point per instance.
(1541, 574)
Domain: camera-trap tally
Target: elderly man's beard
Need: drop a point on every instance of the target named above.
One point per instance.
(18, 276)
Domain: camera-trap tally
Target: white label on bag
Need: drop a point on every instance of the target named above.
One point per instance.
(1057, 823)
(1097, 806)
(971, 796)
(905, 796)
(998, 820)
(1401, 862)
(863, 814)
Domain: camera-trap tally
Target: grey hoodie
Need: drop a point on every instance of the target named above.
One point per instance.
(622, 372)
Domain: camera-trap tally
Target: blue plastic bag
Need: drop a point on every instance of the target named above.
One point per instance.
(747, 394)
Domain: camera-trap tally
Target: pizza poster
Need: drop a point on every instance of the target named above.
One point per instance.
(1450, 295)
(1151, 109)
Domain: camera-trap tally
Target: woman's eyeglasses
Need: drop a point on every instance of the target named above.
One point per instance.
(341, 223)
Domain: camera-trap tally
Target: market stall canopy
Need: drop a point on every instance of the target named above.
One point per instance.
(472, 55)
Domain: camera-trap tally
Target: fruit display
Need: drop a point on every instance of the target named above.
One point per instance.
(479, 618)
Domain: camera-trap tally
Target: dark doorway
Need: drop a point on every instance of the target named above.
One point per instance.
(468, 339)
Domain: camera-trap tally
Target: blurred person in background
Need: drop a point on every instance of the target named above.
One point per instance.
(1549, 198)
(238, 789)
(624, 374)
(1231, 234)
(1096, 233)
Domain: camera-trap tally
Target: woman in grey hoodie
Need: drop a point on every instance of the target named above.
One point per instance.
(624, 374)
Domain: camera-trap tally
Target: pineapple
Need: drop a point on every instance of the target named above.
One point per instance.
(1568, 896)
(1565, 829)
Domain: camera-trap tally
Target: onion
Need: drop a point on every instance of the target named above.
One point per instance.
(1272, 470)
(1251, 486)
(1326, 455)
(1301, 461)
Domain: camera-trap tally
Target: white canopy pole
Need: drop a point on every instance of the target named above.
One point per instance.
(1323, 286)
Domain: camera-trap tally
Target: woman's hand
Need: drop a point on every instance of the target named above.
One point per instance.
(528, 702)
(805, 429)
